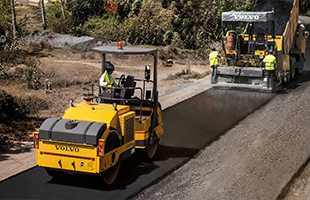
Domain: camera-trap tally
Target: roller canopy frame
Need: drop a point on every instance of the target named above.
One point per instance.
(103, 50)
(234, 16)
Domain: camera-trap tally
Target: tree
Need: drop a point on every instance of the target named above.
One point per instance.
(13, 18)
(43, 14)
(63, 10)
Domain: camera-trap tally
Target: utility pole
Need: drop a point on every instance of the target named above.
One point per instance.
(13, 19)
(43, 14)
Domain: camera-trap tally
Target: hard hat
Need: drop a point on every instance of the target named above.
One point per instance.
(212, 48)
(225, 30)
(110, 66)
(270, 50)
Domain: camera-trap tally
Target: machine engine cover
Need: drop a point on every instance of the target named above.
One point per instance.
(72, 131)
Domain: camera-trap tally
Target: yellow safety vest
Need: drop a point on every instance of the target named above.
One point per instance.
(270, 62)
(108, 79)
(213, 58)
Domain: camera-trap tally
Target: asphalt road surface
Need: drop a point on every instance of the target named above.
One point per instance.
(189, 126)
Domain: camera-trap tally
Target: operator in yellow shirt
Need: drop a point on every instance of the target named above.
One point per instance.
(106, 80)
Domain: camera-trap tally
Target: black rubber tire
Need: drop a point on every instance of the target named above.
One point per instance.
(152, 148)
(273, 84)
(112, 143)
(111, 174)
(292, 72)
(300, 68)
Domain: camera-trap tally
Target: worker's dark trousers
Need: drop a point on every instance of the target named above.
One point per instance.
(270, 74)
(213, 73)
(214, 68)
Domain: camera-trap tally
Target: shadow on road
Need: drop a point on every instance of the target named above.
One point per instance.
(19, 148)
(131, 169)
(295, 83)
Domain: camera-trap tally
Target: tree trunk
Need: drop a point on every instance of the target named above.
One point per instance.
(63, 10)
(43, 14)
(13, 19)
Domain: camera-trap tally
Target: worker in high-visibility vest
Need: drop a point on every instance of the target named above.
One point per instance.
(270, 64)
(270, 61)
(213, 60)
(106, 80)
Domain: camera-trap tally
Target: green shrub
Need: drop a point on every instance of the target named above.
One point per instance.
(14, 108)
(54, 18)
(105, 27)
(10, 110)
(34, 76)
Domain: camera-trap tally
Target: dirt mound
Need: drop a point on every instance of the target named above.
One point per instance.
(88, 45)
(54, 39)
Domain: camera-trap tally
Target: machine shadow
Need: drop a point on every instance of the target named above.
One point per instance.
(130, 171)
(295, 83)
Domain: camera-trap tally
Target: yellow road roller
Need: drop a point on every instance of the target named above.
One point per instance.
(94, 136)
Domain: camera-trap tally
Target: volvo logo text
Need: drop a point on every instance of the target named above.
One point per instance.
(240, 17)
(65, 148)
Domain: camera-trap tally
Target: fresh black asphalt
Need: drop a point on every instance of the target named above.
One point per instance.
(189, 126)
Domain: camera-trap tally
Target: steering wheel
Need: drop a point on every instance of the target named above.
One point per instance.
(121, 80)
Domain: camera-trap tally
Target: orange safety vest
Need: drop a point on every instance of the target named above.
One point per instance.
(230, 41)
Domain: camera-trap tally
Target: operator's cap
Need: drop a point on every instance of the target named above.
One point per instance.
(270, 50)
(212, 48)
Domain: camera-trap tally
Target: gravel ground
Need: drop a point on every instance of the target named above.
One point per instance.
(299, 187)
(254, 160)
(54, 39)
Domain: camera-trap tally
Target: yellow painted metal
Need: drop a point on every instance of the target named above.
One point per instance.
(286, 62)
(127, 125)
(67, 156)
(107, 160)
(230, 51)
(259, 53)
(95, 112)
(159, 130)
(141, 135)
(84, 158)
(277, 40)
(290, 29)
(139, 147)
(142, 125)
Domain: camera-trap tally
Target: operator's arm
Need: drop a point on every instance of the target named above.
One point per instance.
(102, 81)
